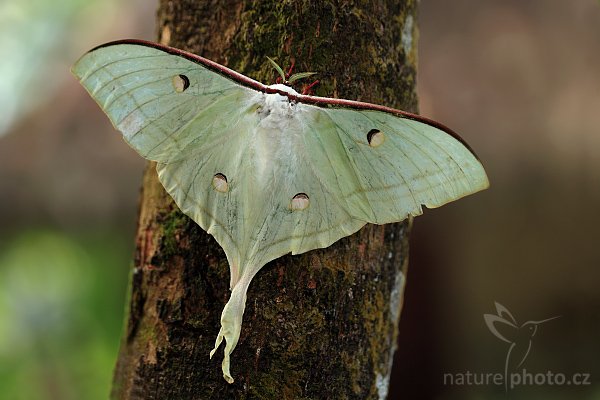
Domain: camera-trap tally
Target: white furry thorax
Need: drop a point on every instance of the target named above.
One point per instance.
(278, 134)
(283, 88)
(276, 109)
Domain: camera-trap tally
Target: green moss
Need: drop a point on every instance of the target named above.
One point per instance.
(282, 382)
(354, 370)
(147, 334)
(173, 223)
(315, 42)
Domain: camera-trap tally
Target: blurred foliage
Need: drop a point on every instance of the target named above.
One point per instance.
(61, 309)
(63, 263)
(31, 32)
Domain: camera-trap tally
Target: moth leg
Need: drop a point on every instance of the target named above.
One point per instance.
(308, 88)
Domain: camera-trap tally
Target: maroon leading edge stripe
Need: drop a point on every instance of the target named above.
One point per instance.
(314, 100)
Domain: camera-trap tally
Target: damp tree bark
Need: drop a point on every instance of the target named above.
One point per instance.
(322, 325)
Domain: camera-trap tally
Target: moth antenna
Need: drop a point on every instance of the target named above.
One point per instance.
(289, 73)
(309, 87)
(278, 69)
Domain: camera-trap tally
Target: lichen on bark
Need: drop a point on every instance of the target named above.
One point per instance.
(320, 325)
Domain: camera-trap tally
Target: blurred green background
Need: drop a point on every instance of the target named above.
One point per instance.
(518, 79)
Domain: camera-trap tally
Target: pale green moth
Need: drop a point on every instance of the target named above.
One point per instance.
(268, 171)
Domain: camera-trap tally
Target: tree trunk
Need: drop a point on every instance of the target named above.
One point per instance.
(321, 325)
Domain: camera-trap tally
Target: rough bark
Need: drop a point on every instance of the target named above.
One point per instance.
(322, 325)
